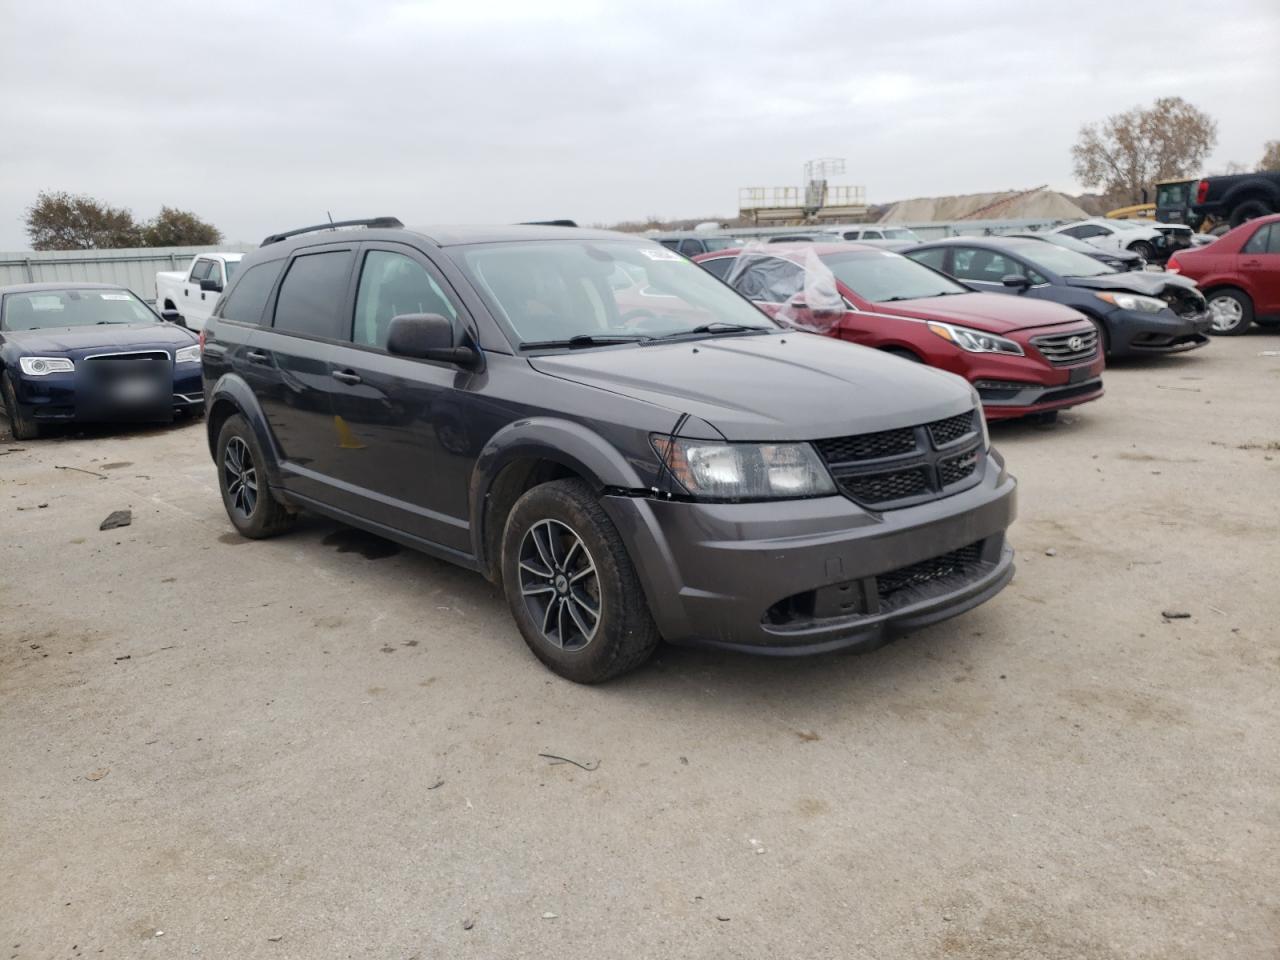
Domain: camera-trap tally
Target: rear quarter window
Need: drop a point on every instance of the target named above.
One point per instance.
(247, 300)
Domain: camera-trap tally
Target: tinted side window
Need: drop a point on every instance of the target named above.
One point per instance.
(690, 248)
(982, 265)
(930, 258)
(1259, 242)
(313, 294)
(670, 244)
(392, 284)
(248, 300)
(201, 270)
(719, 267)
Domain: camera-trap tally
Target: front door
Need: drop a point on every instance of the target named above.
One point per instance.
(291, 359)
(408, 435)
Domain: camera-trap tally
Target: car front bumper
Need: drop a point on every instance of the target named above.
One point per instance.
(72, 397)
(1132, 332)
(808, 576)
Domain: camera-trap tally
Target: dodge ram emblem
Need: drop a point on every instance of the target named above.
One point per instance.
(1076, 344)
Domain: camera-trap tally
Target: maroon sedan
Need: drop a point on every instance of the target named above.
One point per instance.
(1239, 274)
(1024, 357)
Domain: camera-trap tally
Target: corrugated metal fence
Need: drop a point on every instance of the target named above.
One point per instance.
(135, 269)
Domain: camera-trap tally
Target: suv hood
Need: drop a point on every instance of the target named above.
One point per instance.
(989, 312)
(101, 337)
(788, 386)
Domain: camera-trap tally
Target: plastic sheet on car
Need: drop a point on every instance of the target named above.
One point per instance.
(802, 287)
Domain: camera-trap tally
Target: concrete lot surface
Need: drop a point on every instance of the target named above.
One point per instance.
(321, 746)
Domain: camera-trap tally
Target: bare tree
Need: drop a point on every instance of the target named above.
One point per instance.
(1128, 152)
(63, 221)
(1270, 157)
(178, 228)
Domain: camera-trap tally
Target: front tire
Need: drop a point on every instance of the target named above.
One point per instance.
(22, 428)
(571, 586)
(1143, 249)
(1231, 312)
(242, 478)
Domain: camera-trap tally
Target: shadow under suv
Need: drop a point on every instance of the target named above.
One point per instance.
(622, 441)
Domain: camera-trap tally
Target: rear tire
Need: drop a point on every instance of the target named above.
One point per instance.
(22, 428)
(1231, 312)
(1249, 210)
(242, 479)
(571, 586)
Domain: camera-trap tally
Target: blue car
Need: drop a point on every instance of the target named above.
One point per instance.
(91, 352)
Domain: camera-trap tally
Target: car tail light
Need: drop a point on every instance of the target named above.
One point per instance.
(1202, 191)
(1173, 266)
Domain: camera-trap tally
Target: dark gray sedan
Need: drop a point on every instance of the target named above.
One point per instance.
(1138, 312)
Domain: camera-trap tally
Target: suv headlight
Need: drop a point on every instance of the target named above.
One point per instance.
(1133, 301)
(189, 354)
(711, 470)
(43, 366)
(975, 341)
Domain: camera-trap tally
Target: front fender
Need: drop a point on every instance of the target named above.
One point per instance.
(231, 389)
(570, 444)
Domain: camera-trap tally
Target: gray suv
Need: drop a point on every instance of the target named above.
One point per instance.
(623, 442)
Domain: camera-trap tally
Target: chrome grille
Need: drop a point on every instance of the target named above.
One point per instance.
(899, 468)
(1064, 348)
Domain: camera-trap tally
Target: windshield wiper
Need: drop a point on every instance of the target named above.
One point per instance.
(715, 326)
(584, 340)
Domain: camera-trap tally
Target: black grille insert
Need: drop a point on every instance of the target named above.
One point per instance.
(956, 563)
(909, 465)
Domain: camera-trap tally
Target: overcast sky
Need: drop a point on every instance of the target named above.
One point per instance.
(259, 117)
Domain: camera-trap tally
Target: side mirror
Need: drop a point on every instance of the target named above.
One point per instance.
(212, 286)
(170, 316)
(1015, 281)
(428, 336)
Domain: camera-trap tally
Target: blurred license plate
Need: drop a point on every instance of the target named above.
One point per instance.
(133, 389)
(1078, 375)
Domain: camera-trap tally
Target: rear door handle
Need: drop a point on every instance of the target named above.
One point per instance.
(257, 356)
(346, 376)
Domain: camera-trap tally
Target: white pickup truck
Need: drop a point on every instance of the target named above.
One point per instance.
(187, 296)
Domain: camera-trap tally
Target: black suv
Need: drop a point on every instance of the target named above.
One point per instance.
(633, 450)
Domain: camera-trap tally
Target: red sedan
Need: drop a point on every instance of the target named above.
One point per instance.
(1024, 357)
(1239, 274)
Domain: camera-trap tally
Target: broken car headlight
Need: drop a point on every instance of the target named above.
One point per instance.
(189, 354)
(709, 470)
(1133, 301)
(975, 341)
(43, 366)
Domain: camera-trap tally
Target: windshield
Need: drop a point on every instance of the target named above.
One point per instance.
(1130, 224)
(883, 276)
(1059, 260)
(899, 233)
(718, 243)
(1171, 194)
(609, 290)
(45, 309)
(1071, 243)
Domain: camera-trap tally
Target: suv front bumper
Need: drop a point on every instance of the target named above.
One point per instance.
(808, 576)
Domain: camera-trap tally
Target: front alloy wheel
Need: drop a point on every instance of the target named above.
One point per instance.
(560, 586)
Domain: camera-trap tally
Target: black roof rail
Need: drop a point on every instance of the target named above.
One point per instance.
(372, 223)
(547, 223)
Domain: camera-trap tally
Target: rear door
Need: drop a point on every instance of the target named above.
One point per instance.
(1259, 266)
(291, 359)
(408, 433)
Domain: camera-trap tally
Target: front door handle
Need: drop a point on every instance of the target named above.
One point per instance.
(346, 376)
(257, 356)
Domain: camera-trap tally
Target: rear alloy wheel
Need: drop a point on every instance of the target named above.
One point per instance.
(1230, 313)
(571, 586)
(246, 494)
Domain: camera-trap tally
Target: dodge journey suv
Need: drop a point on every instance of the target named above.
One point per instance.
(623, 442)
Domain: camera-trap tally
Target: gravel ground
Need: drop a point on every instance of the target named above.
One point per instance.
(321, 746)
